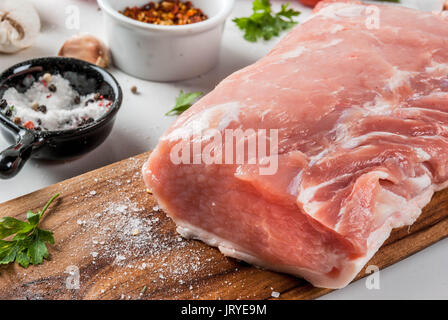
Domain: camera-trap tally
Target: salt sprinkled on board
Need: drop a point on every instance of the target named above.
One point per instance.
(128, 233)
(107, 230)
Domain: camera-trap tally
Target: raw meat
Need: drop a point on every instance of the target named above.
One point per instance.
(362, 112)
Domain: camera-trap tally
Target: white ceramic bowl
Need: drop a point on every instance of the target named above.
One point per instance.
(165, 53)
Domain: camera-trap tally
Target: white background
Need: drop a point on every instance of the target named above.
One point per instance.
(141, 121)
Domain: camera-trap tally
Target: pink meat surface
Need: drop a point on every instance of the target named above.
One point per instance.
(362, 118)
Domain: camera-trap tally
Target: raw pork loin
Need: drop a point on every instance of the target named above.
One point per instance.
(362, 113)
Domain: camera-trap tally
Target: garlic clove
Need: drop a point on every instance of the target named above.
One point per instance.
(88, 48)
(19, 25)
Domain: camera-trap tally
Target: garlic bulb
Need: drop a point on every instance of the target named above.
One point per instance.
(19, 25)
(86, 47)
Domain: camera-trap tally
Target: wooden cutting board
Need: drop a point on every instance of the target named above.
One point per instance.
(109, 231)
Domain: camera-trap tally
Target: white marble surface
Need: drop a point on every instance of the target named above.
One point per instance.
(141, 121)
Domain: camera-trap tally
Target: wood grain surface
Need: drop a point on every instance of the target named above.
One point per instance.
(109, 231)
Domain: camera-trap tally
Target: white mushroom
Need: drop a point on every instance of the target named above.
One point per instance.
(19, 25)
(86, 47)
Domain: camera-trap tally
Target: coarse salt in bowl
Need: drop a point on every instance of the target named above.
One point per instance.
(165, 53)
(58, 142)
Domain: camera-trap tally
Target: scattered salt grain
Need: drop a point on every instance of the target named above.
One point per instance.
(119, 258)
(275, 294)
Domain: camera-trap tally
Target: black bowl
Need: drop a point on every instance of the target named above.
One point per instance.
(56, 145)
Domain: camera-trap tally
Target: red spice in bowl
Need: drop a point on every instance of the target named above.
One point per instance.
(167, 12)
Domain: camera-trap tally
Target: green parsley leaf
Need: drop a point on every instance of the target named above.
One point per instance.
(32, 217)
(28, 245)
(183, 102)
(22, 259)
(263, 23)
(37, 251)
(8, 251)
(9, 226)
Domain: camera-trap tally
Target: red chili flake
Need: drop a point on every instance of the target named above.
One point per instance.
(100, 104)
(49, 96)
(166, 12)
(29, 125)
(44, 83)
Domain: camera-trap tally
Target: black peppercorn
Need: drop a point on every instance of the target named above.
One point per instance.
(3, 104)
(8, 112)
(77, 100)
(42, 108)
(89, 101)
(86, 121)
(52, 88)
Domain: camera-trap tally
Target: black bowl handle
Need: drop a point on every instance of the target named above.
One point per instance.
(13, 158)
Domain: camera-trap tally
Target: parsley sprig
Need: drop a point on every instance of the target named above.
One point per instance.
(263, 23)
(183, 102)
(28, 245)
